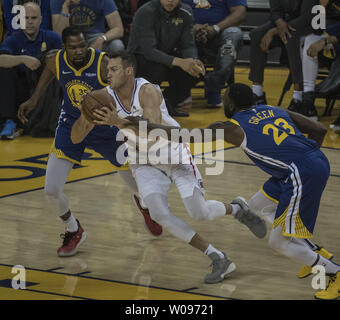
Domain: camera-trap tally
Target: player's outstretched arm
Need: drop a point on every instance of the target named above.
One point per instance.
(315, 130)
(82, 127)
(230, 132)
(46, 77)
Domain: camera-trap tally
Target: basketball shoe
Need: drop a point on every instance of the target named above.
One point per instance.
(152, 226)
(255, 224)
(72, 241)
(305, 271)
(332, 291)
(221, 267)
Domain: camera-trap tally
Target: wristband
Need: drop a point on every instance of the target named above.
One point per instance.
(67, 15)
(104, 37)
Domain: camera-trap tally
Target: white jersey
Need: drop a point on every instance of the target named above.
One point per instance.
(150, 151)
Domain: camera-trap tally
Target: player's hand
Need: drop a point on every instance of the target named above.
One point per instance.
(98, 43)
(284, 30)
(108, 116)
(24, 109)
(315, 48)
(31, 63)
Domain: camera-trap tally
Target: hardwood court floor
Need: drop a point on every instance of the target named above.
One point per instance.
(120, 260)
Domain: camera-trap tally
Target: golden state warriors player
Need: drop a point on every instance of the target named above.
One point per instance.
(79, 69)
(273, 139)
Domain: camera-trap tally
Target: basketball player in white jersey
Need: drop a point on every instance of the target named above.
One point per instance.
(134, 97)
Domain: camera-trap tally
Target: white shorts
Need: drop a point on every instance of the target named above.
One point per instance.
(158, 179)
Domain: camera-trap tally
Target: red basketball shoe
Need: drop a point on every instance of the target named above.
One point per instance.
(152, 226)
(72, 241)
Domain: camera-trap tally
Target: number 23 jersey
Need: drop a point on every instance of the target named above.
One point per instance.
(272, 141)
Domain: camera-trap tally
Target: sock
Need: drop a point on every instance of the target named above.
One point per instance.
(258, 90)
(71, 224)
(235, 208)
(331, 267)
(211, 249)
(297, 95)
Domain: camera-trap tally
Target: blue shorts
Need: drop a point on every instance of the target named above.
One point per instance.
(101, 139)
(299, 196)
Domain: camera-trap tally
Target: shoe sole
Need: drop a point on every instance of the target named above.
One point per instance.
(74, 251)
(145, 225)
(231, 268)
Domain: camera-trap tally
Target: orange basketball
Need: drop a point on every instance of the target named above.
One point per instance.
(95, 100)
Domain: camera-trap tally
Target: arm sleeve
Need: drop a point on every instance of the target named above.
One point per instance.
(143, 26)
(305, 18)
(276, 10)
(109, 7)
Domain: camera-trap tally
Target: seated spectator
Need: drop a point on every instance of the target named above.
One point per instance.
(162, 40)
(92, 17)
(314, 45)
(20, 53)
(45, 12)
(290, 20)
(218, 37)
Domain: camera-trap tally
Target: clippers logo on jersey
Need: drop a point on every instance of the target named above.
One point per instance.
(76, 89)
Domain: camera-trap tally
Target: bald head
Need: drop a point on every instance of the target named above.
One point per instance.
(33, 19)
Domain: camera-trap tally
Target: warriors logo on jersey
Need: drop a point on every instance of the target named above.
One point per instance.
(76, 89)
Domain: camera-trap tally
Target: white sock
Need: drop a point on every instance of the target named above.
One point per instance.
(331, 267)
(297, 95)
(235, 208)
(71, 224)
(258, 90)
(211, 249)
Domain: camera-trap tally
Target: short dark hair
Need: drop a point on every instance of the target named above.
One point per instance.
(241, 95)
(128, 58)
(71, 31)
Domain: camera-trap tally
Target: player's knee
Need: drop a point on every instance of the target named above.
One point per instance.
(197, 212)
(52, 190)
(278, 242)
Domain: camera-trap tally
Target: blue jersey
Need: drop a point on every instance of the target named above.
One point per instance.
(75, 83)
(272, 141)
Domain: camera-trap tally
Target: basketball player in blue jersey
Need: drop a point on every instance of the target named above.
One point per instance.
(273, 139)
(79, 69)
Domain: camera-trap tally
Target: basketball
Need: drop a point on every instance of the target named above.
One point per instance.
(95, 100)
